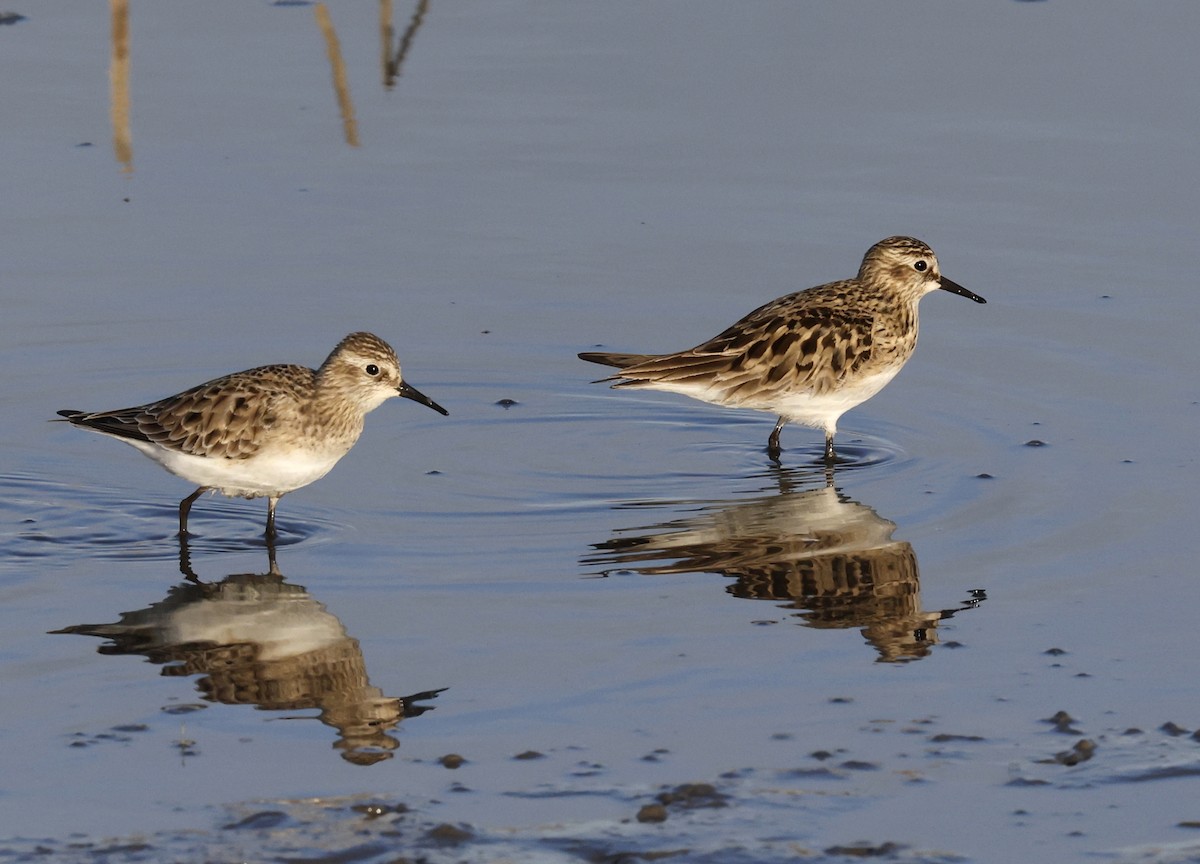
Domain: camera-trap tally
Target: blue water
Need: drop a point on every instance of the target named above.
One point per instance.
(621, 582)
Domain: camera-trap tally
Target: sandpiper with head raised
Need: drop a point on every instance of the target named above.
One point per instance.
(266, 431)
(807, 357)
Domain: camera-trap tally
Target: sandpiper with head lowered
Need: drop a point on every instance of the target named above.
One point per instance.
(266, 431)
(810, 356)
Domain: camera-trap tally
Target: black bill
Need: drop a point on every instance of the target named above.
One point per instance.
(955, 288)
(410, 392)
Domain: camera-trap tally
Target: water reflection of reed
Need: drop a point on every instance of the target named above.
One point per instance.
(257, 640)
(120, 104)
(341, 86)
(392, 63)
(832, 559)
(118, 84)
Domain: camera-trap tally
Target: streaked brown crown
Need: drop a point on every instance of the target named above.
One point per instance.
(366, 346)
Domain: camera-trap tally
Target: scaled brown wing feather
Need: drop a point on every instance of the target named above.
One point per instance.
(811, 347)
(216, 419)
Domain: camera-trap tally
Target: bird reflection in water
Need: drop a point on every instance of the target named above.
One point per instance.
(829, 557)
(256, 639)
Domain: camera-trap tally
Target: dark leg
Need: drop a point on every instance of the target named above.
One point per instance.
(271, 502)
(773, 449)
(185, 507)
(829, 455)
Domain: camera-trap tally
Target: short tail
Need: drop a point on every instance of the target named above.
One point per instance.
(621, 361)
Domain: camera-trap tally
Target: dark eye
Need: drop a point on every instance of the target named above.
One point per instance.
(920, 266)
(372, 369)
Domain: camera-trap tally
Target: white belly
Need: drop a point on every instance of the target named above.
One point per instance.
(265, 474)
(822, 411)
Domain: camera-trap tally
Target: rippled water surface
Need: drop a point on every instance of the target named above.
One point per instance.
(639, 636)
